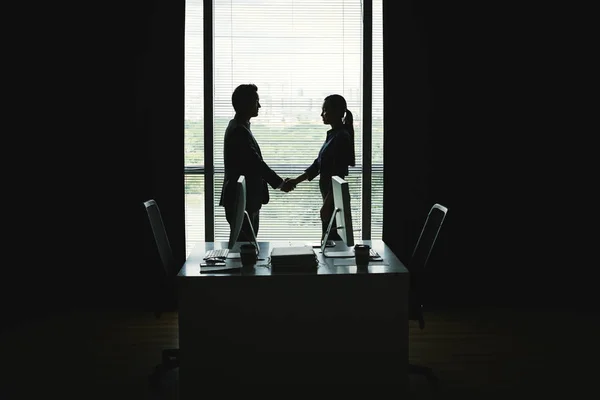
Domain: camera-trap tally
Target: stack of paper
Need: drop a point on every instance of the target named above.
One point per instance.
(293, 258)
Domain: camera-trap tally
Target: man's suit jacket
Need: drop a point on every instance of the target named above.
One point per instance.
(242, 156)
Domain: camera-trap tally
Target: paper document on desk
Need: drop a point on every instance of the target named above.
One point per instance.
(373, 255)
(293, 257)
(219, 267)
(292, 251)
(342, 262)
(352, 268)
(340, 254)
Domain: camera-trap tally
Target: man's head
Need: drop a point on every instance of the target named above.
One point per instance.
(245, 100)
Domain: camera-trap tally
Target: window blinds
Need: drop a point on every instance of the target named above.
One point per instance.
(297, 52)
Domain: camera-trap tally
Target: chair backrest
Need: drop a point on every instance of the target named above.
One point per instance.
(161, 238)
(420, 257)
(427, 238)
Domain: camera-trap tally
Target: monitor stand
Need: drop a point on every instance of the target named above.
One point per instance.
(338, 254)
(236, 254)
(252, 234)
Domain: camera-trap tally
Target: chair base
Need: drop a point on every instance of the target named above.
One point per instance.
(170, 361)
(422, 370)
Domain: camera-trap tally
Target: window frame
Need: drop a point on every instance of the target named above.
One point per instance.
(208, 169)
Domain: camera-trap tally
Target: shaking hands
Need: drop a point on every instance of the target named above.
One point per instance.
(288, 185)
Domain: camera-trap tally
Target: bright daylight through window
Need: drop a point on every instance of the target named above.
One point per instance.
(297, 53)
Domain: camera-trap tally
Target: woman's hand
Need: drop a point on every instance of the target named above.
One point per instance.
(288, 185)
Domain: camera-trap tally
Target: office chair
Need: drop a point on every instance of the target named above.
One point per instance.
(416, 266)
(170, 357)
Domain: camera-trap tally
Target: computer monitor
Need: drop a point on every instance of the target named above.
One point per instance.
(240, 214)
(342, 215)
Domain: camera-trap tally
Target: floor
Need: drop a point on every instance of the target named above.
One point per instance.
(475, 353)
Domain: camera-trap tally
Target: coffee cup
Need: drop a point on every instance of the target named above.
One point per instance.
(248, 254)
(361, 253)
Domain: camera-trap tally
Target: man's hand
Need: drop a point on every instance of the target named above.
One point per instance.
(288, 185)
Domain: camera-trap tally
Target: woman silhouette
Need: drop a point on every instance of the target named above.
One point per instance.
(335, 155)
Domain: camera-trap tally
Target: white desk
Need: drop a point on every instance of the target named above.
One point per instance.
(335, 324)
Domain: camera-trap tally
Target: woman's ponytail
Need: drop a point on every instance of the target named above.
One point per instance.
(349, 125)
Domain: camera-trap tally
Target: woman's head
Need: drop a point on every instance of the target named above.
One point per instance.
(335, 113)
(334, 109)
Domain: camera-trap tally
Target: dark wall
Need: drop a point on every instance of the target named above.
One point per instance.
(435, 141)
(97, 129)
(480, 118)
(160, 120)
(135, 154)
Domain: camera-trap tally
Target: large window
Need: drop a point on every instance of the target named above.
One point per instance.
(296, 52)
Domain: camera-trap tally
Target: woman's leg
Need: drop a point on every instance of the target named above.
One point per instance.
(328, 207)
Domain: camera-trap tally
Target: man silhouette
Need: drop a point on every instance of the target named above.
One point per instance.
(242, 156)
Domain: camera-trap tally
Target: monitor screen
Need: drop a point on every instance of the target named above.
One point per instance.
(342, 213)
(240, 215)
